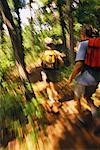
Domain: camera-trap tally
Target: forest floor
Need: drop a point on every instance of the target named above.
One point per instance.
(62, 130)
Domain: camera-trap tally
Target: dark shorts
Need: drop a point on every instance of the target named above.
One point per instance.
(53, 75)
(85, 91)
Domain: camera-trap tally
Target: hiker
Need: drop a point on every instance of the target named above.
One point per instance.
(87, 67)
(51, 61)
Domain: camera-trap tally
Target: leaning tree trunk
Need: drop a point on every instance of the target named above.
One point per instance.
(62, 24)
(71, 39)
(19, 26)
(1, 32)
(15, 39)
(71, 35)
(31, 25)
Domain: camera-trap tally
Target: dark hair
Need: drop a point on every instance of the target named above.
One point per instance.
(87, 30)
(95, 32)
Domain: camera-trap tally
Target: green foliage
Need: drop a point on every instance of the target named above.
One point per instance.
(88, 12)
(56, 30)
(18, 4)
(66, 71)
(27, 38)
(32, 53)
(6, 54)
(11, 106)
(33, 109)
(77, 27)
(44, 1)
(10, 2)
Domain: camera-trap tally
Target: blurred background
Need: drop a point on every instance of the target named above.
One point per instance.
(26, 29)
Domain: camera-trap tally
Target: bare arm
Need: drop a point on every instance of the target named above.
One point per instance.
(77, 68)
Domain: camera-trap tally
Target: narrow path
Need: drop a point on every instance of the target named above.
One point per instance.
(56, 131)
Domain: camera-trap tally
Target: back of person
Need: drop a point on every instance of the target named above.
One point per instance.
(90, 74)
(87, 67)
(92, 58)
(49, 59)
(52, 59)
(89, 53)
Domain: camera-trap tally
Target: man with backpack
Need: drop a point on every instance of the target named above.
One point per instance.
(87, 66)
(52, 60)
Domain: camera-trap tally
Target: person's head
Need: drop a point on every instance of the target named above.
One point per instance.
(95, 32)
(86, 32)
(50, 46)
(48, 43)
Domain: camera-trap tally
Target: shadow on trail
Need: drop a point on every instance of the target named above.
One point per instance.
(35, 74)
(54, 131)
(79, 140)
(69, 133)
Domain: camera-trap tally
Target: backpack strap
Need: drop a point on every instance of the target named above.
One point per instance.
(94, 42)
(92, 58)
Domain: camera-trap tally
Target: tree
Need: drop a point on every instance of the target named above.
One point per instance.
(19, 4)
(1, 31)
(87, 11)
(62, 22)
(70, 27)
(31, 24)
(16, 41)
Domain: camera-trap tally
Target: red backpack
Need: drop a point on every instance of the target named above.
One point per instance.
(92, 58)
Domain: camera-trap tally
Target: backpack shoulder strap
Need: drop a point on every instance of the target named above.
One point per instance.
(94, 42)
(92, 58)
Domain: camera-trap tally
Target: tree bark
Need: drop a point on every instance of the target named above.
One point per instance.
(31, 25)
(71, 35)
(15, 39)
(62, 24)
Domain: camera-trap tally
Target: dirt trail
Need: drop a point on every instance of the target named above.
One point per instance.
(58, 131)
(63, 130)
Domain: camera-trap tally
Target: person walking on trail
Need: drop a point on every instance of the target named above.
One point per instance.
(87, 66)
(51, 61)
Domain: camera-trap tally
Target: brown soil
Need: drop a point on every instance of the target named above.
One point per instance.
(61, 130)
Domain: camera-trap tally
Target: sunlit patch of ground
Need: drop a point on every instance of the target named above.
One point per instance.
(59, 132)
(53, 131)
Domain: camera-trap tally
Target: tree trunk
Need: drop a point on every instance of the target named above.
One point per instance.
(71, 39)
(1, 33)
(15, 39)
(62, 24)
(71, 35)
(19, 26)
(31, 25)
